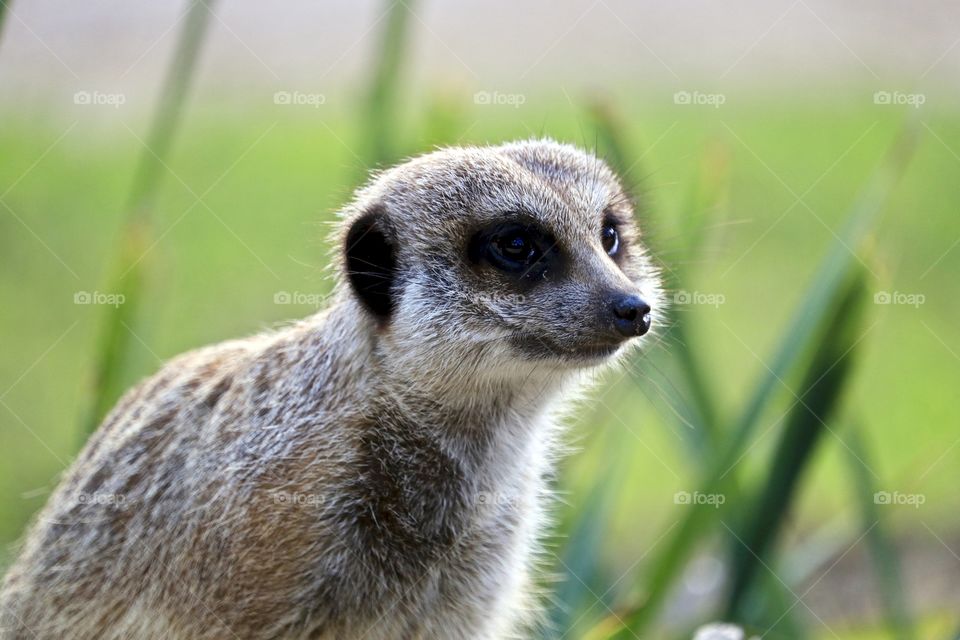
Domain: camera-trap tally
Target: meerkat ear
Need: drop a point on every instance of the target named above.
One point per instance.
(371, 262)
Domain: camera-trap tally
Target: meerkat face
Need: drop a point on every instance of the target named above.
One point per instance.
(523, 253)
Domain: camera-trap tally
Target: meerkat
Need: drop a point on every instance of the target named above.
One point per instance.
(380, 470)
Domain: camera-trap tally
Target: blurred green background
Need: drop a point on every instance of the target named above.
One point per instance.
(242, 207)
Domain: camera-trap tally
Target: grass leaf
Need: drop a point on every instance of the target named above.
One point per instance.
(820, 394)
(882, 550)
(4, 7)
(380, 122)
(828, 279)
(127, 274)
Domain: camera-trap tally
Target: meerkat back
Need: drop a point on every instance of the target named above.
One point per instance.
(378, 470)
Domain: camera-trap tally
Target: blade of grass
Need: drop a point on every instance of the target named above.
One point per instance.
(4, 6)
(581, 577)
(610, 131)
(832, 272)
(380, 123)
(776, 608)
(707, 201)
(128, 270)
(822, 391)
(882, 550)
(173, 97)
(706, 197)
(830, 275)
(955, 635)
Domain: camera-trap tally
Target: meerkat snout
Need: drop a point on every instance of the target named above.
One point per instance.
(631, 315)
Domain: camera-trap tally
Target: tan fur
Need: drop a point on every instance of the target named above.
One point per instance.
(349, 476)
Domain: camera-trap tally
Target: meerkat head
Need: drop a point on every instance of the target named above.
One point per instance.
(499, 260)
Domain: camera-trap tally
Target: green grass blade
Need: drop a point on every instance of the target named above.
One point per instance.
(128, 271)
(820, 395)
(882, 550)
(115, 336)
(611, 135)
(580, 560)
(828, 279)
(706, 198)
(705, 202)
(704, 205)
(833, 270)
(173, 97)
(4, 7)
(380, 123)
(581, 577)
(955, 635)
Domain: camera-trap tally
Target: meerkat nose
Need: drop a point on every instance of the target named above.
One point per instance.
(631, 315)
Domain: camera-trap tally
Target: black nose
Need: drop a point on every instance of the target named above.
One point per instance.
(631, 315)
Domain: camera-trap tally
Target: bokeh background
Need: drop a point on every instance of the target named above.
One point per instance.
(786, 455)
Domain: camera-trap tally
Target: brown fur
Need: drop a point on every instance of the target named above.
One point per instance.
(379, 470)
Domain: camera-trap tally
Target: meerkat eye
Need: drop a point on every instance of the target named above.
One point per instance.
(513, 247)
(516, 246)
(610, 239)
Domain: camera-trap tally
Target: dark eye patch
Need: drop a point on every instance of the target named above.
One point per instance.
(519, 248)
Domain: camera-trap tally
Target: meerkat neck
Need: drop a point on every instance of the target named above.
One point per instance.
(422, 380)
(479, 417)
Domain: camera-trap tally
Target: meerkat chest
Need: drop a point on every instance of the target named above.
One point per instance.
(449, 534)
